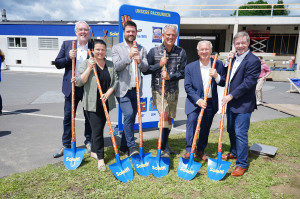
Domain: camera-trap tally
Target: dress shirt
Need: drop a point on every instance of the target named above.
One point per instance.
(132, 83)
(205, 77)
(237, 62)
(80, 56)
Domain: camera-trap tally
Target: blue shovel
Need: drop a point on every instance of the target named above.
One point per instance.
(73, 157)
(140, 161)
(122, 169)
(217, 169)
(160, 165)
(188, 168)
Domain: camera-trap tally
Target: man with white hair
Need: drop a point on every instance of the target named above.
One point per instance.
(197, 75)
(64, 60)
(175, 62)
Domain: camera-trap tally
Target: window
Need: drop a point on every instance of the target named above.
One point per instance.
(17, 42)
(48, 43)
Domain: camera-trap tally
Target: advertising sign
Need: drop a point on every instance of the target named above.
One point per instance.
(150, 23)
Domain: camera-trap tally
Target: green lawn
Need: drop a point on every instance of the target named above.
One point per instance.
(266, 177)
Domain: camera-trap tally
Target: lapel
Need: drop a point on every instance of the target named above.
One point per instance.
(241, 65)
(198, 74)
(212, 80)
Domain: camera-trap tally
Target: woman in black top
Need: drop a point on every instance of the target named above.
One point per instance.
(91, 98)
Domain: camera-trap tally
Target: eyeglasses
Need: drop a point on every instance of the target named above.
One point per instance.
(82, 30)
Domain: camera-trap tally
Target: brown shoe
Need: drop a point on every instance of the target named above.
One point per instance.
(186, 155)
(238, 171)
(202, 155)
(228, 156)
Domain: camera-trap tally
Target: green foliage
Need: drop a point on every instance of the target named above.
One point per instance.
(266, 6)
(276, 177)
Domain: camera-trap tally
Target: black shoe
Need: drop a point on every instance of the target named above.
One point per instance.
(59, 153)
(124, 149)
(171, 152)
(165, 154)
(132, 151)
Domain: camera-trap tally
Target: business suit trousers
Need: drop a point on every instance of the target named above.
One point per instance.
(97, 121)
(237, 127)
(192, 119)
(67, 134)
(128, 105)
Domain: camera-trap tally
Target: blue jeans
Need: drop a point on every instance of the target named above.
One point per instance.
(237, 127)
(128, 105)
(191, 124)
(67, 134)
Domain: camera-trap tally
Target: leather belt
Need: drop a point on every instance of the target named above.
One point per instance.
(209, 99)
(132, 88)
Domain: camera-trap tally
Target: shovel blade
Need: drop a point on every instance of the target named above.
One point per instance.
(141, 163)
(217, 169)
(188, 168)
(159, 165)
(73, 157)
(122, 169)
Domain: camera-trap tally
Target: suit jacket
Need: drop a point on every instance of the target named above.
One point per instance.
(122, 66)
(242, 85)
(63, 61)
(194, 86)
(91, 89)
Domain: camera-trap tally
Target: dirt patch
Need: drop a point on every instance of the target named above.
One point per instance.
(280, 190)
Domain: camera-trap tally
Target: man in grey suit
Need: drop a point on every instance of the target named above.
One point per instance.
(124, 56)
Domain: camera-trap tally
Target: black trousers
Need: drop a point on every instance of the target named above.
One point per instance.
(97, 121)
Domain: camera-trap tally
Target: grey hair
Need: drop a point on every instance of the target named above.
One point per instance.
(241, 34)
(204, 41)
(170, 26)
(79, 22)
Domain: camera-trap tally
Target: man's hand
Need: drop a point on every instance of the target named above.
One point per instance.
(226, 99)
(165, 75)
(202, 103)
(231, 55)
(213, 73)
(72, 54)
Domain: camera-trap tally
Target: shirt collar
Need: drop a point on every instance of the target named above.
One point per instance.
(242, 56)
(203, 66)
(84, 47)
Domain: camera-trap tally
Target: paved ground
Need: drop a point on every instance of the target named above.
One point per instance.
(31, 124)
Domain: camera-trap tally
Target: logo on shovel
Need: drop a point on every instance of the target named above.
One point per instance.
(216, 170)
(123, 172)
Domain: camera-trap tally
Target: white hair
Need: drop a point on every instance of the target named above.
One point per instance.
(80, 22)
(204, 41)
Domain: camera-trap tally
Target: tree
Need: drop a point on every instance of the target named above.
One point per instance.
(261, 12)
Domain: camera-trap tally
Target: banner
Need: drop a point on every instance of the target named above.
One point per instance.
(150, 23)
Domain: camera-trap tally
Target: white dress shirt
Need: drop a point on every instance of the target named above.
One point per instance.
(237, 62)
(205, 77)
(81, 55)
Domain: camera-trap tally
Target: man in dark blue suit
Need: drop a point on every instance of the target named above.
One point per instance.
(64, 60)
(241, 100)
(197, 75)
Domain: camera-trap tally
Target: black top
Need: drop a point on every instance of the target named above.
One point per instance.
(105, 80)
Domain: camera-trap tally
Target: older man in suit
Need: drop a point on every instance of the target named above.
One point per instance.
(241, 100)
(64, 60)
(124, 56)
(197, 75)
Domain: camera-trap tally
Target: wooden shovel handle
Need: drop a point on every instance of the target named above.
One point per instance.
(138, 97)
(105, 108)
(224, 107)
(73, 97)
(202, 110)
(162, 106)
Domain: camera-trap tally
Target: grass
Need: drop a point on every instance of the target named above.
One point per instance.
(266, 177)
